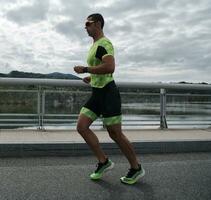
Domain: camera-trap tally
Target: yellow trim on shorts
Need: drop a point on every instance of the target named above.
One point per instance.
(87, 112)
(112, 120)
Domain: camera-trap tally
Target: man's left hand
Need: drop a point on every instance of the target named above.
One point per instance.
(79, 69)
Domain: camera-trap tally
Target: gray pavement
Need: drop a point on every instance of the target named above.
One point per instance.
(168, 177)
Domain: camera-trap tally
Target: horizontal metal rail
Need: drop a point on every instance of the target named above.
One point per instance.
(77, 83)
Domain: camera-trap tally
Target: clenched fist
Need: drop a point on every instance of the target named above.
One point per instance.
(80, 69)
(87, 79)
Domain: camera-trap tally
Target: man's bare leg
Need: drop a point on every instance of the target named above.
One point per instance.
(115, 132)
(91, 139)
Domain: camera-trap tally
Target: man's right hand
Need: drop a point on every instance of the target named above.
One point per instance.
(87, 79)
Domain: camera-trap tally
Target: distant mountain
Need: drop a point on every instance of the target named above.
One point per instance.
(54, 75)
(58, 75)
(183, 82)
(3, 75)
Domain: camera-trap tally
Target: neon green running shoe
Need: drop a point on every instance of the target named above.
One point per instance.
(133, 175)
(101, 168)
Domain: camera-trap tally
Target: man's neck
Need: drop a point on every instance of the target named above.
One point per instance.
(98, 36)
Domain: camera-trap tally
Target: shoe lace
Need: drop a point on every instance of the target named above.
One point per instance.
(98, 165)
(131, 172)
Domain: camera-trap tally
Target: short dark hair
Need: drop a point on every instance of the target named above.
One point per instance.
(97, 17)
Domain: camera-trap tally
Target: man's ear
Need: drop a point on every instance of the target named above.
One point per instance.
(98, 24)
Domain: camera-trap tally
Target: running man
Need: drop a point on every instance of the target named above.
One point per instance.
(105, 101)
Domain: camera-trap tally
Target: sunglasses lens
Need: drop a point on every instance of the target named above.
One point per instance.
(89, 23)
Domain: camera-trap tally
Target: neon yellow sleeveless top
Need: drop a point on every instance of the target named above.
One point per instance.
(98, 50)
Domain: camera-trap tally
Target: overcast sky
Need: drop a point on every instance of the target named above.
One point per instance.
(154, 40)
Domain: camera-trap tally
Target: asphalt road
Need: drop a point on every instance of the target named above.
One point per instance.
(168, 177)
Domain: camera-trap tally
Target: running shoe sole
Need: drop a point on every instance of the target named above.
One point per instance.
(101, 174)
(132, 181)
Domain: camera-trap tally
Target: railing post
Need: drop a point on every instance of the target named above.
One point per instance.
(43, 108)
(163, 122)
(40, 107)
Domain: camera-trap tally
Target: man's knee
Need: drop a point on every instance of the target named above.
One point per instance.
(115, 132)
(114, 135)
(82, 128)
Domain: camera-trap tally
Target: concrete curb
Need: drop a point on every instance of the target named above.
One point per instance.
(78, 149)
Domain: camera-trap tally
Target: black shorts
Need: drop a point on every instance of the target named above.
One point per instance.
(105, 102)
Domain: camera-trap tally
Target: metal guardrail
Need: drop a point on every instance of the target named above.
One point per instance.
(63, 82)
(38, 117)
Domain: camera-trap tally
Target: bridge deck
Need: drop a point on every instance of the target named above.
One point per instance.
(66, 143)
(69, 136)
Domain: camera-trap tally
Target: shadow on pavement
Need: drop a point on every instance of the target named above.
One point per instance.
(140, 190)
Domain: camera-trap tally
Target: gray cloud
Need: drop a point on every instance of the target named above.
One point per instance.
(29, 14)
(71, 30)
(65, 27)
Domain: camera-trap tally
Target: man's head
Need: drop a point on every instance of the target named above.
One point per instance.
(94, 24)
(97, 18)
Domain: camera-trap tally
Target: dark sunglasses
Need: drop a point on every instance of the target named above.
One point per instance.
(88, 23)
